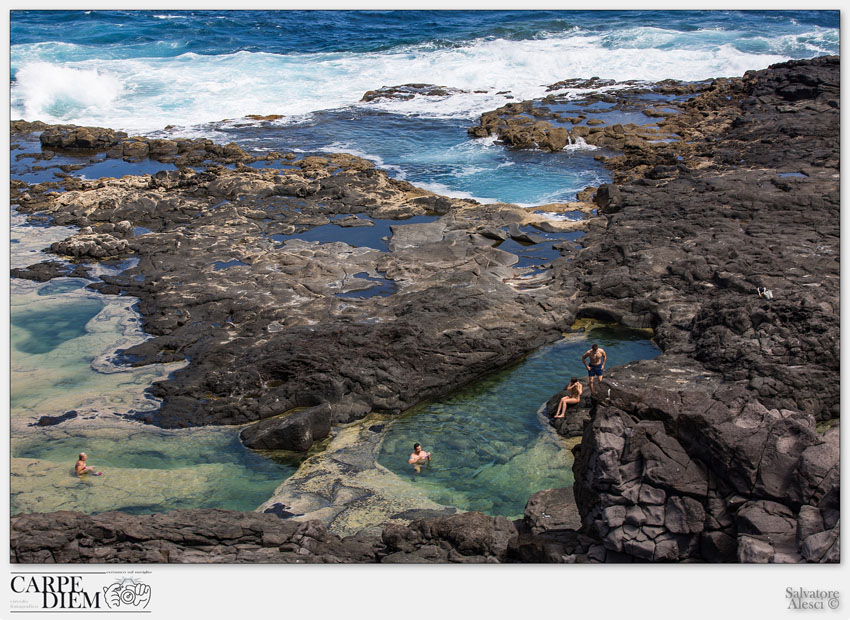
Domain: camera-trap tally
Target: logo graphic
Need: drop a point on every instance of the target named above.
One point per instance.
(127, 593)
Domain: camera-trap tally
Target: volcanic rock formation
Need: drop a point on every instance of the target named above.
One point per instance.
(720, 232)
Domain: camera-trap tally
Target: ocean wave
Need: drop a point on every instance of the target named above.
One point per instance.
(53, 92)
(143, 94)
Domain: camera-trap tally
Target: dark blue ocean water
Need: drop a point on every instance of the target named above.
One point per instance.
(171, 33)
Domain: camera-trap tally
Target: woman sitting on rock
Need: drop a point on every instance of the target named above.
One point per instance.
(572, 398)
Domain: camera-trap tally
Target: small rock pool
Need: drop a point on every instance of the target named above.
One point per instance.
(490, 449)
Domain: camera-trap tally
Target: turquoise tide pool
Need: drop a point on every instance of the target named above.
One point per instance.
(491, 450)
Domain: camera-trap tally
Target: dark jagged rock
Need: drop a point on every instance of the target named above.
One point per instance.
(688, 256)
(42, 272)
(261, 320)
(118, 144)
(296, 431)
(575, 417)
(551, 510)
(279, 510)
(96, 246)
(226, 536)
(26, 127)
(190, 536)
(80, 138)
(673, 475)
(546, 535)
(531, 124)
(711, 451)
(409, 91)
(465, 538)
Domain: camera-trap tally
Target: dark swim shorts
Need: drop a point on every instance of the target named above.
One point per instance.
(595, 371)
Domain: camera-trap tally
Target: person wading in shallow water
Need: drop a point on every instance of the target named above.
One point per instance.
(418, 457)
(573, 397)
(81, 468)
(595, 365)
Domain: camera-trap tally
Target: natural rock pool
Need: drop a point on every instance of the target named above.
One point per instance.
(490, 448)
(63, 338)
(147, 470)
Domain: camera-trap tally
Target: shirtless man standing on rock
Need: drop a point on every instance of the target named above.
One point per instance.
(595, 365)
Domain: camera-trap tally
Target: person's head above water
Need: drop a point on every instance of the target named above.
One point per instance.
(417, 447)
(595, 346)
(83, 456)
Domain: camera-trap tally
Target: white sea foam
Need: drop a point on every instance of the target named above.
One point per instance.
(580, 145)
(562, 217)
(52, 91)
(63, 83)
(468, 171)
(486, 141)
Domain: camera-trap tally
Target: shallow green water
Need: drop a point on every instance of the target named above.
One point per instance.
(152, 470)
(61, 285)
(490, 452)
(61, 337)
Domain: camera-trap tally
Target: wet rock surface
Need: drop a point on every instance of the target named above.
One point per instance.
(539, 124)
(117, 144)
(46, 271)
(297, 431)
(716, 451)
(406, 92)
(345, 488)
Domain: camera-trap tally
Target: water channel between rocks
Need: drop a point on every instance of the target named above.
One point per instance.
(490, 449)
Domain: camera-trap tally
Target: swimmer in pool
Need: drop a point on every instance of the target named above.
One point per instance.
(81, 468)
(419, 456)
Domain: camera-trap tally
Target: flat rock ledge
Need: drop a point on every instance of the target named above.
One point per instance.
(228, 536)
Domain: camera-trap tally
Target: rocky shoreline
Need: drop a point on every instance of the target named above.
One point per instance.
(723, 449)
